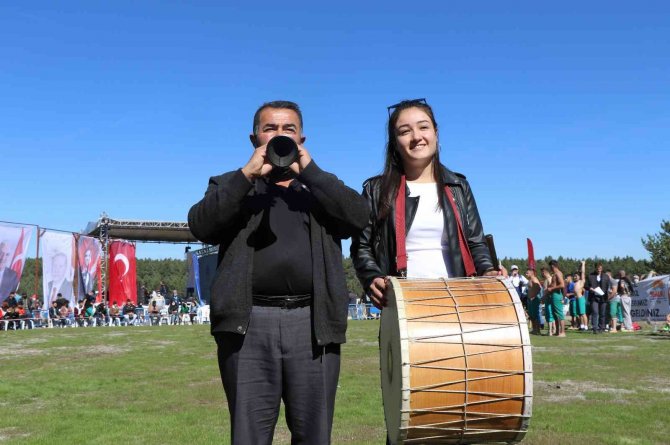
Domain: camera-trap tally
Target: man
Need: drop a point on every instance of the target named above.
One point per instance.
(555, 291)
(598, 285)
(548, 301)
(569, 293)
(533, 302)
(9, 281)
(520, 283)
(59, 284)
(580, 300)
(129, 314)
(613, 303)
(86, 277)
(279, 299)
(174, 311)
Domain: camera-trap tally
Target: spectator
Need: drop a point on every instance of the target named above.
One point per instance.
(193, 310)
(79, 313)
(569, 292)
(580, 300)
(34, 306)
(115, 313)
(598, 284)
(555, 289)
(183, 312)
(548, 301)
(154, 313)
(63, 315)
(101, 315)
(520, 283)
(174, 312)
(533, 301)
(176, 297)
(625, 290)
(129, 312)
(613, 303)
(162, 289)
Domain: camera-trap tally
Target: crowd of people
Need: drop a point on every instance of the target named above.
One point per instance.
(19, 313)
(599, 302)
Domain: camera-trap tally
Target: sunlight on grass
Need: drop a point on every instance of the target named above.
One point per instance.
(160, 385)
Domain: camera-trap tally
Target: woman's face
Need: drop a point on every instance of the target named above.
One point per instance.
(416, 138)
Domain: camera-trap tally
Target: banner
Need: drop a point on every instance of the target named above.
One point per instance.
(206, 271)
(57, 268)
(89, 252)
(122, 272)
(652, 302)
(13, 244)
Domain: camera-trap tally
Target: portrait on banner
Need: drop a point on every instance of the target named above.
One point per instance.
(89, 252)
(58, 268)
(13, 244)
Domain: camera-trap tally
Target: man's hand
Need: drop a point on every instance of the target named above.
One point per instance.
(377, 288)
(258, 164)
(304, 158)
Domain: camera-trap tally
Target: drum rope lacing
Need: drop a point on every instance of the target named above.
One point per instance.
(461, 409)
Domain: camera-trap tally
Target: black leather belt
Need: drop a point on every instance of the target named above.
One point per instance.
(285, 302)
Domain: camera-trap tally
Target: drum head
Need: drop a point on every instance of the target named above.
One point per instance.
(391, 367)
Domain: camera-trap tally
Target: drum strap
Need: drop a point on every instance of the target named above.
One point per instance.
(400, 235)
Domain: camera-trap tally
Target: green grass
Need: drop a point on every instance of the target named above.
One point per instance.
(160, 385)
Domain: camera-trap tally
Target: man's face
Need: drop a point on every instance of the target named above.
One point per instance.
(4, 255)
(58, 265)
(87, 258)
(569, 278)
(576, 277)
(278, 121)
(515, 272)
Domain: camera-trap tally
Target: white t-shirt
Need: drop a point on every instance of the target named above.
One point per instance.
(426, 240)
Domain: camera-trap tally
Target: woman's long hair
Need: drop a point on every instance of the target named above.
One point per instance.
(393, 167)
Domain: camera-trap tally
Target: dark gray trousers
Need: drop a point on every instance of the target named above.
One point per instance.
(598, 315)
(278, 360)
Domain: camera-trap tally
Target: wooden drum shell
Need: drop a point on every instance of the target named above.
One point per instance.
(455, 362)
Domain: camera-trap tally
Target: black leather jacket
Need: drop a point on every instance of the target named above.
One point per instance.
(373, 251)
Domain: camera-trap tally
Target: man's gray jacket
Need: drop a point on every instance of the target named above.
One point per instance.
(228, 216)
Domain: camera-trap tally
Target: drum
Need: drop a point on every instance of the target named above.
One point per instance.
(455, 362)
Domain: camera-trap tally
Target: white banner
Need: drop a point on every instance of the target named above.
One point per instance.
(13, 245)
(652, 302)
(58, 267)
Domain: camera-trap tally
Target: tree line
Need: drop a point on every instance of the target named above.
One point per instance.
(174, 273)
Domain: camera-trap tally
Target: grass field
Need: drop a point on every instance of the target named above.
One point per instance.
(160, 385)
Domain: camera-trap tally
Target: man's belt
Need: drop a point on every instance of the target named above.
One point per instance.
(283, 301)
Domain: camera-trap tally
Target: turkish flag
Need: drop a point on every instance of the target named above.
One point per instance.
(122, 272)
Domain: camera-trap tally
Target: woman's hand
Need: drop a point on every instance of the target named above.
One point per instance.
(377, 288)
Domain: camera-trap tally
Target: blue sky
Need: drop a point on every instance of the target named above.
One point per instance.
(557, 114)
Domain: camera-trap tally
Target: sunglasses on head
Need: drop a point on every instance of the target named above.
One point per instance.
(409, 103)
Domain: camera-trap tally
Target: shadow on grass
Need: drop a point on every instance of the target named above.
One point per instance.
(658, 336)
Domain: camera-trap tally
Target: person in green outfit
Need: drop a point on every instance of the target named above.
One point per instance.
(548, 302)
(580, 300)
(555, 291)
(534, 295)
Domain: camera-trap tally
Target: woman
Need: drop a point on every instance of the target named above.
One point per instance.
(443, 234)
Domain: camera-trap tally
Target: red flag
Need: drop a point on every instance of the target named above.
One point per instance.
(531, 254)
(122, 272)
(19, 256)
